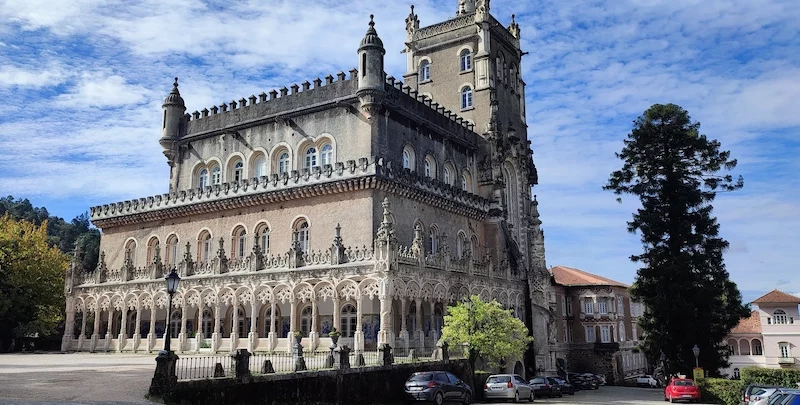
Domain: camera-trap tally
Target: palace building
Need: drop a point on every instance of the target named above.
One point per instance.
(358, 201)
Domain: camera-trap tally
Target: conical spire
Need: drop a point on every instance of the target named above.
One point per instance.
(371, 39)
(174, 97)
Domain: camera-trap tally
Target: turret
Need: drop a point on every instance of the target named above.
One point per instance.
(465, 7)
(370, 74)
(172, 124)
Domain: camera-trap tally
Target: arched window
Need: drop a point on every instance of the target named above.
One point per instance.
(757, 350)
(447, 176)
(131, 328)
(326, 154)
(466, 97)
(152, 245)
(305, 321)
(499, 62)
(310, 158)
(433, 239)
(511, 196)
(424, 71)
(438, 319)
(348, 321)
(202, 179)
(301, 227)
(239, 243)
(262, 238)
(779, 317)
(408, 158)
(268, 319)
(216, 175)
(260, 166)
(130, 250)
(207, 323)
(204, 246)
(512, 77)
(172, 250)
(283, 163)
(238, 171)
(733, 347)
(466, 182)
(411, 319)
(476, 252)
(430, 167)
(466, 60)
(242, 326)
(621, 331)
(736, 374)
(175, 323)
(462, 245)
(744, 347)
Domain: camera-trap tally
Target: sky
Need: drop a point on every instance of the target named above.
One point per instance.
(83, 82)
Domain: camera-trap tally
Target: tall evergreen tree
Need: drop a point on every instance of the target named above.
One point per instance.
(689, 298)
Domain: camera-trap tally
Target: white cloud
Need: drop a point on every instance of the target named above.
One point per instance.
(102, 91)
(25, 77)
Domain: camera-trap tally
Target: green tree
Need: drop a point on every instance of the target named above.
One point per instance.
(31, 280)
(689, 298)
(491, 332)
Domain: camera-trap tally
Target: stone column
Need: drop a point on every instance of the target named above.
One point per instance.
(82, 336)
(66, 340)
(151, 336)
(292, 324)
(215, 336)
(234, 335)
(419, 333)
(123, 328)
(385, 332)
(182, 334)
(96, 333)
(107, 342)
(137, 330)
(314, 334)
(252, 336)
(273, 334)
(403, 316)
(358, 340)
(433, 334)
(337, 313)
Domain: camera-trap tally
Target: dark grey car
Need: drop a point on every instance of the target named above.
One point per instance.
(437, 387)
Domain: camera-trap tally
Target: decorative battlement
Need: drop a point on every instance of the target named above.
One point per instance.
(320, 180)
(464, 20)
(276, 101)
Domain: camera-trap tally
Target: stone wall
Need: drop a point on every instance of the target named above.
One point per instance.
(366, 385)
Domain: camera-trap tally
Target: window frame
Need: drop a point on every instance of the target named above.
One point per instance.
(466, 98)
(424, 71)
(591, 334)
(326, 154)
(465, 60)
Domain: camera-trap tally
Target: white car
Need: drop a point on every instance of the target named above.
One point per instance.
(647, 380)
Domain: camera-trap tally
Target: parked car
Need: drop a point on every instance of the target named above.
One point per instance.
(602, 379)
(682, 389)
(542, 387)
(507, 386)
(594, 379)
(785, 396)
(750, 389)
(647, 381)
(761, 396)
(563, 385)
(437, 387)
(579, 382)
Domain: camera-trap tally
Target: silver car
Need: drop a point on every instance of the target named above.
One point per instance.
(761, 396)
(507, 386)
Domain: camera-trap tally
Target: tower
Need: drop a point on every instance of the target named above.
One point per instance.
(172, 126)
(370, 75)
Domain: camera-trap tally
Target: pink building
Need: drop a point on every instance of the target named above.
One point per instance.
(770, 337)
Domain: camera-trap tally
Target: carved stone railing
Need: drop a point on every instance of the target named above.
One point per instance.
(276, 261)
(203, 267)
(449, 25)
(315, 258)
(434, 260)
(407, 255)
(140, 273)
(460, 265)
(239, 265)
(361, 254)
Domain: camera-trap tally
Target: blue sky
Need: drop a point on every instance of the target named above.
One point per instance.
(83, 82)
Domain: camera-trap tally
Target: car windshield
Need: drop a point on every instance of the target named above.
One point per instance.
(421, 377)
(498, 379)
(537, 380)
(684, 383)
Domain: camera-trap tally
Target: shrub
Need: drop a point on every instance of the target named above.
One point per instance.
(787, 377)
(721, 391)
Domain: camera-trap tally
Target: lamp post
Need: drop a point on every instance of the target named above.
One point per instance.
(172, 285)
(696, 351)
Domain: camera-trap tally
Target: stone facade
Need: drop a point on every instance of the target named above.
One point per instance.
(596, 325)
(353, 201)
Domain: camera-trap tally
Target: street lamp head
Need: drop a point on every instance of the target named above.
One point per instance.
(172, 281)
(696, 351)
(662, 357)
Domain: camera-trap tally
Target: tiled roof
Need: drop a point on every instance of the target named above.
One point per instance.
(777, 297)
(568, 276)
(751, 324)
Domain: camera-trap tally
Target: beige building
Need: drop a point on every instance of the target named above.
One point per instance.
(770, 337)
(596, 328)
(356, 201)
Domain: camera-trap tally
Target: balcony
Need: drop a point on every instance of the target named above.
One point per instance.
(610, 346)
(786, 361)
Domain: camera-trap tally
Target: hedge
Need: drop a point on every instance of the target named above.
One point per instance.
(784, 377)
(721, 390)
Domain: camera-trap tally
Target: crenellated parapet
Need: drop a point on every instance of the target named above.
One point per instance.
(248, 111)
(462, 21)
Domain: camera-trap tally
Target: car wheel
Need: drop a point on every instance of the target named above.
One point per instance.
(467, 399)
(516, 396)
(530, 396)
(438, 399)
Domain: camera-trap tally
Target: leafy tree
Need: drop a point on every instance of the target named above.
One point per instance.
(491, 332)
(31, 280)
(673, 170)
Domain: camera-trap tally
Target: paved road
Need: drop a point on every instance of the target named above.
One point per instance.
(608, 395)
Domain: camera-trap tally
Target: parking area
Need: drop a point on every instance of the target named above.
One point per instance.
(607, 395)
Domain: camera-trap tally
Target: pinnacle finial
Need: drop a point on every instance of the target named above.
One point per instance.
(176, 82)
(371, 20)
(412, 9)
(513, 16)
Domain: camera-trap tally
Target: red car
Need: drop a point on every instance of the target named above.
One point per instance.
(682, 389)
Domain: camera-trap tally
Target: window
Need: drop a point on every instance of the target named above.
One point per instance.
(260, 166)
(172, 250)
(240, 239)
(243, 326)
(634, 332)
(202, 181)
(175, 323)
(757, 350)
(433, 238)
(736, 374)
(466, 97)
(302, 235)
(733, 347)
(588, 306)
(569, 306)
(475, 246)
(786, 351)
(462, 245)
(216, 175)
(283, 163)
(130, 251)
(348, 321)
(466, 60)
(569, 332)
(424, 71)
(262, 238)
(590, 338)
(238, 172)
(465, 182)
(430, 167)
(204, 246)
(620, 309)
(268, 319)
(152, 246)
(326, 155)
(408, 158)
(311, 158)
(207, 323)
(305, 321)
(500, 62)
(602, 306)
(448, 176)
(621, 331)
(779, 317)
(411, 319)
(605, 334)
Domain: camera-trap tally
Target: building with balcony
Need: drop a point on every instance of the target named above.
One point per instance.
(595, 326)
(770, 337)
(357, 201)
